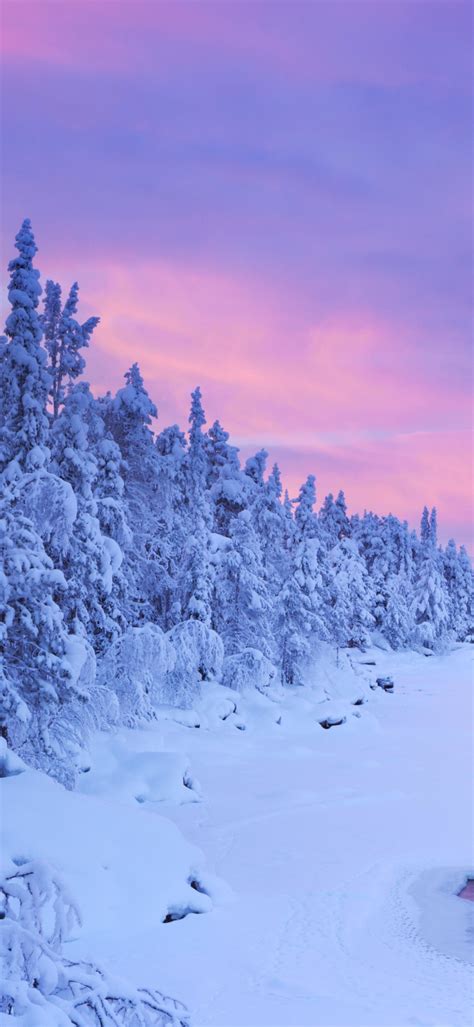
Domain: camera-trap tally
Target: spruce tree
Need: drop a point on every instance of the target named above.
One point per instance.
(24, 378)
(430, 612)
(242, 606)
(64, 338)
(300, 604)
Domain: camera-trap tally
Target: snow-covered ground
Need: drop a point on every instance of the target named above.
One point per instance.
(343, 848)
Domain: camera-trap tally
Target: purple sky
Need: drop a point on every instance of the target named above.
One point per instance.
(272, 200)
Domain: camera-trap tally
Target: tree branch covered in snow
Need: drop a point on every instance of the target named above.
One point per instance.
(44, 987)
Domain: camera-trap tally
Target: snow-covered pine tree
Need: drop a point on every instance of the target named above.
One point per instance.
(460, 589)
(64, 338)
(430, 612)
(129, 416)
(228, 486)
(167, 545)
(25, 381)
(197, 572)
(92, 559)
(221, 456)
(39, 672)
(334, 522)
(352, 598)
(300, 604)
(425, 532)
(269, 519)
(242, 607)
(255, 467)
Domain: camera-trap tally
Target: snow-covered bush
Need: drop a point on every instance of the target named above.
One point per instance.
(137, 668)
(40, 985)
(248, 669)
(199, 657)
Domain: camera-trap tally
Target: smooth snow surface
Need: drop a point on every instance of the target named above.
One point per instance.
(344, 849)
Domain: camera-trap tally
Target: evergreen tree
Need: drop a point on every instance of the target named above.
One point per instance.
(24, 379)
(228, 487)
(221, 457)
(352, 601)
(270, 521)
(64, 339)
(36, 676)
(242, 606)
(300, 605)
(197, 456)
(130, 415)
(425, 532)
(167, 545)
(196, 577)
(255, 466)
(430, 612)
(92, 560)
(459, 587)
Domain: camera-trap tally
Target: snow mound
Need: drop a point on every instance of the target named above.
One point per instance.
(145, 777)
(108, 852)
(338, 675)
(248, 669)
(137, 668)
(10, 763)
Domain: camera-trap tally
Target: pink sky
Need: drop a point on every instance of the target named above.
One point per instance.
(272, 201)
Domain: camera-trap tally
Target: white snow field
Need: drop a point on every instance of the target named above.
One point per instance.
(344, 850)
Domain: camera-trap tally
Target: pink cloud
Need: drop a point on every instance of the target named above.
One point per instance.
(346, 399)
(323, 42)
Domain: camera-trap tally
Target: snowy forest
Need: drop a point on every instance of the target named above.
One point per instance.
(137, 565)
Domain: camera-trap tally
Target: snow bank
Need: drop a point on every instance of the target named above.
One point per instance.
(128, 868)
(145, 777)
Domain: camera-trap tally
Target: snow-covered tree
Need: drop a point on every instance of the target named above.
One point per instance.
(300, 605)
(221, 456)
(37, 673)
(165, 548)
(64, 337)
(93, 558)
(430, 611)
(242, 606)
(228, 486)
(197, 455)
(41, 984)
(25, 382)
(196, 569)
(459, 581)
(130, 415)
(425, 532)
(255, 466)
(333, 519)
(269, 518)
(351, 616)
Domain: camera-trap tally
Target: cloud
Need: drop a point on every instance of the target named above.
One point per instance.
(345, 399)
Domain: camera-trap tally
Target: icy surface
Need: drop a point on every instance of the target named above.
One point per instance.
(344, 849)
